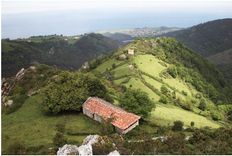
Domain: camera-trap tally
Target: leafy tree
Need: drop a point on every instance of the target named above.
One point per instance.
(163, 99)
(178, 126)
(68, 91)
(202, 105)
(137, 102)
(192, 124)
(164, 90)
(172, 71)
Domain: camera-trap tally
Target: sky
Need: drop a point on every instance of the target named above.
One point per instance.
(24, 18)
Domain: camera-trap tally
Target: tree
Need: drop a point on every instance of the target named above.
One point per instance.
(68, 91)
(137, 102)
(202, 105)
(163, 99)
(178, 126)
(164, 90)
(192, 124)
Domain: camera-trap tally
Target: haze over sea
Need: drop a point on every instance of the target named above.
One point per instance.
(24, 18)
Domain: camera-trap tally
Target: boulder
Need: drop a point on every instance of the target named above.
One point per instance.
(68, 150)
(115, 152)
(90, 139)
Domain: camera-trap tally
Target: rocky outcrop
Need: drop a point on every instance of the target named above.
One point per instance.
(84, 149)
(115, 152)
(68, 150)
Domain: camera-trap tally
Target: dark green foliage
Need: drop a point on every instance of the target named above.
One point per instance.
(216, 116)
(163, 99)
(177, 126)
(17, 54)
(68, 91)
(137, 102)
(202, 105)
(184, 93)
(17, 148)
(193, 69)
(208, 38)
(164, 90)
(229, 114)
(192, 124)
(172, 71)
(206, 141)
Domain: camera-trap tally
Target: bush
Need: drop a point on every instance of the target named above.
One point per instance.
(202, 105)
(216, 116)
(192, 124)
(164, 90)
(172, 71)
(137, 102)
(184, 93)
(68, 91)
(163, 99)
(178, 126)
(229, 114)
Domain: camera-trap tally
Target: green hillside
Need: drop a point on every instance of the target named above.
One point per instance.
(65, 52)
(164, 62)
(182, 86)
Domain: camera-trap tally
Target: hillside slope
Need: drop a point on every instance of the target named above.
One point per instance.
(63, 52)
(207, 38)
(165, 63)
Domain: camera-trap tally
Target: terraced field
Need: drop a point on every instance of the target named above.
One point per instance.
(143, 71)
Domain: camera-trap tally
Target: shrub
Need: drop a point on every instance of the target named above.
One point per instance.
(172, 71)
(68, 91)
(216, 116)
(202, 105)
(184, 93)
(164, 90)
(163, 99)
(178, 126)
(229, 114)
(137, 101)
(192, 124)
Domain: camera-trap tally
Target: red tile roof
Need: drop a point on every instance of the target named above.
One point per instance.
(122, 119)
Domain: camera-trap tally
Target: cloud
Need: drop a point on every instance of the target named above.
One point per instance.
(28, 6)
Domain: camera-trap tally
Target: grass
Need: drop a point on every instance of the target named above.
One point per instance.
(122, 70)
(107, 64)
(137, 84)
(31, 126)
(149, 64)
(167, 114)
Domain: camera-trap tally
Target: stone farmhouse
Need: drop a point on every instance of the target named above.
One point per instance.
(100, 110)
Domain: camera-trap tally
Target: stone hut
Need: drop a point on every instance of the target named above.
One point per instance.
(131, 52)
(100, 110)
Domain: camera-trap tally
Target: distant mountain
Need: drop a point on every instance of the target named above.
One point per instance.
(208, 38)
(129, 34)
(63, 52)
